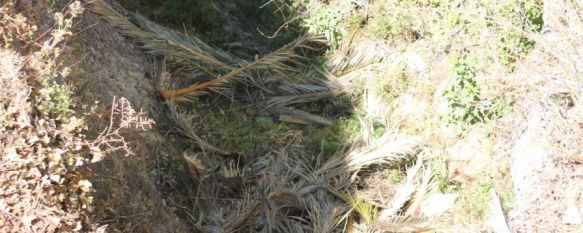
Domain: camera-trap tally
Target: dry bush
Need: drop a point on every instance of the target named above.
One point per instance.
(110, 140)
(44, 186)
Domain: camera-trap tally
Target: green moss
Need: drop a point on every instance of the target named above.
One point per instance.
(230, 128)
(328, 140)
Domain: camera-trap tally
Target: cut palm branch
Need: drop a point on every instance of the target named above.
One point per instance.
(343, 62)
(279, 61)
(388, 148)
(186, 129)
(403, 195)
(299, 116)
(304, 98)
(367, 211)
(325, 213)
(176, 47)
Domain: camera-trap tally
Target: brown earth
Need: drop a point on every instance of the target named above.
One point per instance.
(126, 198)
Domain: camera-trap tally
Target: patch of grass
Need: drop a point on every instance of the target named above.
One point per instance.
(393, 85)
(390, 25)
(227, 125)
(402, 20)
(522, 16)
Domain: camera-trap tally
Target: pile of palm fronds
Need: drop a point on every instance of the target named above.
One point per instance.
(287, 189)
(279, 78)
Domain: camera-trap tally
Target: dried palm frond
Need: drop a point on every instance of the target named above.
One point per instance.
(240, 215)
(195, 47)
(279, 61)
(298, 89)
(497, 219)
(367, 211)
(388, 148)
(403, 195)
(325, 213)
(244, 215)
(342, 63)
(187, 130)
(176, 47)
(303, 98)
(303, 93)
(402, 224)
(298, 116)
(231, 168)
(425, 188)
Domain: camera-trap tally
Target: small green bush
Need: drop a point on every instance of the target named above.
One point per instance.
(330, 21)
(524, 17)
(464, 101)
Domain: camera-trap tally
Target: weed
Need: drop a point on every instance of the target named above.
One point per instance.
(508, 198)
(525, 17)
(397, 20)
(463, 96)
(476, 196)
(42, 149)
(54, 101)
(464, 101)
(394, 176)
(329, 21)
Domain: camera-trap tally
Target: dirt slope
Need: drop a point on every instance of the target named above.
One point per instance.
(127, 199)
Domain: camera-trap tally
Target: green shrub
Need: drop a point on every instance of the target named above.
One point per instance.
(524, 17)
(330, 21)
(390, 25)
(464, 101)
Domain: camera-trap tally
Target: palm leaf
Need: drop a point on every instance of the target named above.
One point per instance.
(388, 148)
(367, 211)
(187, 130)
(298, 116)
(279, 61)
(157, 40)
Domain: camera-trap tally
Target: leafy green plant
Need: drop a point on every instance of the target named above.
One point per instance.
(398, 19)
(55, 101)
(476, 196)
(463, 96)
(508, 198)
(525, 17)
(393, 24)
(464, 101)
(329, 21)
